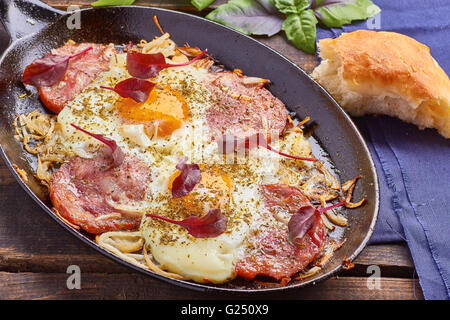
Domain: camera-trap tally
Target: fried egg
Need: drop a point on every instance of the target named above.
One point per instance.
(169, 125)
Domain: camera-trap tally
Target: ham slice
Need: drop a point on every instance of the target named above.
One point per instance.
(81, 72)
(272, 254)
(98, 197)
(243, 107)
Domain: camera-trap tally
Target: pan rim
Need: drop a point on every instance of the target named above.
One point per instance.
(189, 284)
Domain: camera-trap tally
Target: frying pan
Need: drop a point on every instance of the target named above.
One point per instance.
(36, 28)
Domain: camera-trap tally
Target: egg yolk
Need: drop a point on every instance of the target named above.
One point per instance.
(163, 112)
(213, 191)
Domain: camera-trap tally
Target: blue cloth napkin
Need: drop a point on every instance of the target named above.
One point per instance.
(413, 165)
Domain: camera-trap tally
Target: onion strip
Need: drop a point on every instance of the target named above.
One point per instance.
(133, 258)
(22, 173)
(155, 20)
(335, 219)
(331, 216)
(308, 273)
(348, 203)
(64, 219)
(327, 222)
(38, 134)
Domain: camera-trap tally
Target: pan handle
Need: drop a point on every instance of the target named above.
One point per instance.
(22, 17)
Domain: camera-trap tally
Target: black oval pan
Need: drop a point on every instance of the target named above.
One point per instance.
(336, 133)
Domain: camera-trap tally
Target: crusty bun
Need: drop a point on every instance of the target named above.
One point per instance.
(371, 72)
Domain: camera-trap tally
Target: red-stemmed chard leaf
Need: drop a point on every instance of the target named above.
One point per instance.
(147, 65)
(300, 223)
(134, 88)
(229, 143)
(211, 225)
(116, 152)
(189, 176)
(258, 17)
(47, 71)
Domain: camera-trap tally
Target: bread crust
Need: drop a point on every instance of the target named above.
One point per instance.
(374, 62)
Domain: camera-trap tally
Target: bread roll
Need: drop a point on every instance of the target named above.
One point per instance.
(371, 72)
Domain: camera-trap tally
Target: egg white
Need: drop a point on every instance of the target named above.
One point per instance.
(202, 260)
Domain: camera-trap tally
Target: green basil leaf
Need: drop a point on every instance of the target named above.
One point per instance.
(201, 4)
(300, 29)
(291, 6)
(107, 3)
(336, 13)
(248, 16)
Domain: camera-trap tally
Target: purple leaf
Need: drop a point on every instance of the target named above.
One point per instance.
(248, 16)
(147, 65)
(47, 71)
(211, 225)
(300, 223)
(134, 88)
(116, 152)
(189, 177)
(229, 143)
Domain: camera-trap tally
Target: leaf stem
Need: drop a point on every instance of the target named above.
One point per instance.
(332, 207)
(162, 218)
(268, 147)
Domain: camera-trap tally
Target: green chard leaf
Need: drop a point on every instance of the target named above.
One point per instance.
(201, 4)
(251, 17)
(107, 3)
(300, 29)
(291, 6)
(336, 13)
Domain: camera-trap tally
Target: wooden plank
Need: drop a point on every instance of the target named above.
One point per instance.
(394, 260)
(6, 177)
(279, 43)
(134, 286)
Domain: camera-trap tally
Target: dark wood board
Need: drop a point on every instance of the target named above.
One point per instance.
(136, 286)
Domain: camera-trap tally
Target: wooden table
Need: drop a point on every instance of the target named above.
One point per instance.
(35, 252)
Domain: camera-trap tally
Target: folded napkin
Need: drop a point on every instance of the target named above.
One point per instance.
(413, 165)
